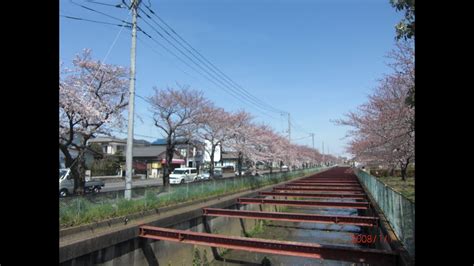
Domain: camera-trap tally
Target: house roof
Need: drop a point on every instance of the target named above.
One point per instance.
(229, 155)
(123, 141)
(152, 151)
(148, 151)
(159, 142)
(178, 141)
(107, 139)
(163, 141)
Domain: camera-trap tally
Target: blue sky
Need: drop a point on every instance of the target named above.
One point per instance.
(314, 59)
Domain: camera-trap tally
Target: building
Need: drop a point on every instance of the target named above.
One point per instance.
(192, 151)
(112, 146)
(228, 159)
(88, 155)
(150, 160)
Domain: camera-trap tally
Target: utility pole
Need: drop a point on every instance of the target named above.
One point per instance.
(289, 140)
(312, 135)
(289, 128)
(131, 103)
(323, 153)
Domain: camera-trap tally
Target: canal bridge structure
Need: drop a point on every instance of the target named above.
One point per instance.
(336, 188)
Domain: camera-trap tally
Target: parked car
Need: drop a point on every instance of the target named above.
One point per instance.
(228, 169)
(183, 175)
(66, 184)
(206, 175)
(245, 171)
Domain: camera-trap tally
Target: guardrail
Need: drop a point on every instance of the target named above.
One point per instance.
(399, 211)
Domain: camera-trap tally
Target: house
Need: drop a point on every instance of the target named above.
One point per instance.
(191, 151)
(88, 155)
(150, 160)
(112, 146)
(228, 159)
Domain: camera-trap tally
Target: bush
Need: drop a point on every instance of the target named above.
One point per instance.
(387, 172)
(81, 210)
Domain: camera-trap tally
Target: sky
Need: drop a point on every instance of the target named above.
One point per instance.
(314, 59)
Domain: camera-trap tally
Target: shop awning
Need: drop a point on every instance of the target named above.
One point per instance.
(174, 161)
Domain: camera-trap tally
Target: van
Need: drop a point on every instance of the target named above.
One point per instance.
(183, 175)
(66, 183)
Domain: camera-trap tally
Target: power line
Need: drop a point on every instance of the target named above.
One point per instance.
(105, 4)
(213, 68)
(300, 128)
(240, 93)
(234, 93)
(208, 76)
(139, 135)
(99, 12)
(160, 54)
(223, 85)
(95, 21)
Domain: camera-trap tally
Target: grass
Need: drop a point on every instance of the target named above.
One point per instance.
(258, 229)
(406, 188)
(80, 210)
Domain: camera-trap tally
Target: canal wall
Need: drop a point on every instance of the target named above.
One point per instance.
(122, 246)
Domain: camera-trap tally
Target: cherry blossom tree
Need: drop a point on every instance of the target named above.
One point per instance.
(239, 140)
(216, 127)
(92, 98)
(178, 113)
(383, 130)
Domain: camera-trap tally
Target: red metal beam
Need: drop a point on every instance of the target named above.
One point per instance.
(304, 184)
(308, 203)
(293, 217)
(308, 250)
(357, 187)
(331, 179)
(314, 195)
(325, 181)
(319, 189)
(328, 181)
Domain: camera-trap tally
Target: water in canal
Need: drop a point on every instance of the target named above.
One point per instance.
(330, 234)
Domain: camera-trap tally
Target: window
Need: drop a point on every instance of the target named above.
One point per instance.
(179, 171)
(193, 171)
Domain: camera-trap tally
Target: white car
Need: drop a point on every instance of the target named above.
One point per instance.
(205, 175)
(183, 175)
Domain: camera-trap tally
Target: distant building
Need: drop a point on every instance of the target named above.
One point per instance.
(112, 146)
(150, 160)
(228, 159)
(191, 151)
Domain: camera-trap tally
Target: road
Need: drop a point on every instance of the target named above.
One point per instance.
(114, 186)
(120, 185)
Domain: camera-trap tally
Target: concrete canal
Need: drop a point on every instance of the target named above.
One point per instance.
(125, 247)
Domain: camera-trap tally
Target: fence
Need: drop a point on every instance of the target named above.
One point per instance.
(399, 211)
(89, 208)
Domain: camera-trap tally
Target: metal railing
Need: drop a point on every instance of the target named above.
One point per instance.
(399, 211)
(94, 207)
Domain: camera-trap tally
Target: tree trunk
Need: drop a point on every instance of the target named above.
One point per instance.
(211, 167)
(404, 167)
(78, 174)
(68, 160)
(271, 167)
(169, 159)
(239, 163)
